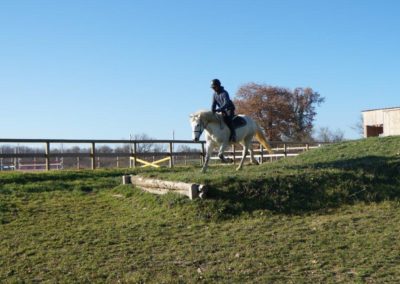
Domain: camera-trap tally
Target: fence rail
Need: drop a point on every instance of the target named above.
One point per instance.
(281, 149)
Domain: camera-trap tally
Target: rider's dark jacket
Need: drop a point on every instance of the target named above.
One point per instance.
(222, 100)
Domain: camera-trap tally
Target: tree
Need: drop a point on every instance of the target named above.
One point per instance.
(359, 126)
(324, 134)
(147, 147)
(105, 149)
(282, 113)
(185, 148)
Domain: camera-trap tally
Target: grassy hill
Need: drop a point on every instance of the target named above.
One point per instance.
(328, 215)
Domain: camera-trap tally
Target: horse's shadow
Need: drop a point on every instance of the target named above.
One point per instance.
(314, 187)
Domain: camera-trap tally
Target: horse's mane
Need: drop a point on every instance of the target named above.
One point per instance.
(207, 116)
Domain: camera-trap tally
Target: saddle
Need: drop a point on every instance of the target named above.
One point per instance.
(238, 122)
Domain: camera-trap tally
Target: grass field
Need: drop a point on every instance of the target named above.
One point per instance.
(331, 215)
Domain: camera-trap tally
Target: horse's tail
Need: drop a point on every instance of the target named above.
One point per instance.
(261, 138)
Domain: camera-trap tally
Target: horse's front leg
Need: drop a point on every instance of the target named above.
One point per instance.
(209, 148)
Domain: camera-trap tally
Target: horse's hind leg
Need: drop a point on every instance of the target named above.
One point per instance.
(245, 149)
(221, 153)
(253, 160)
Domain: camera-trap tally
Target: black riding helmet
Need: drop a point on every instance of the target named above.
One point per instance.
(215, 83)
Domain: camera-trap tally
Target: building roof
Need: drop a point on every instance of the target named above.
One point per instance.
(385, 108)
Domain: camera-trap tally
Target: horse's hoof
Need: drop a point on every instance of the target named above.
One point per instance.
(238, 168)
(203, 171)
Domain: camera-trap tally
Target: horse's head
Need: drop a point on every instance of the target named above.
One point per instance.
(197, 126)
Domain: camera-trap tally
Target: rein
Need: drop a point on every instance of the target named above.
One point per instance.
(203, 125)
(220, 122)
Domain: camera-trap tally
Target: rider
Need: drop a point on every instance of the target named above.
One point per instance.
(226, 106)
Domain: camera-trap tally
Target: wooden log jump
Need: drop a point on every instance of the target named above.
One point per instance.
(156, 186)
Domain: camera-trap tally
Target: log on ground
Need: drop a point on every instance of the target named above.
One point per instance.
(192, 190)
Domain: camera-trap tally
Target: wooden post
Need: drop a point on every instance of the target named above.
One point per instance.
(285, 149)
(93, 155)
(117, 161)
(126, 179)
(203, 154)
(307, 146)
(78, 163)
(261, 154)
(171, 157)
(16, 165)
(47, 152)
(133, 164)
(234, 154)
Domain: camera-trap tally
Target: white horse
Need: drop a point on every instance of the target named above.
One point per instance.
(217, 134)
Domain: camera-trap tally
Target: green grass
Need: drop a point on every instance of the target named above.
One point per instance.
(330, 215)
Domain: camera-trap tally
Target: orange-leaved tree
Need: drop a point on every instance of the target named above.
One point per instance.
(284, 114)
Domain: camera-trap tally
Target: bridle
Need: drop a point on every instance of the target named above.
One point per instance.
(202, 127)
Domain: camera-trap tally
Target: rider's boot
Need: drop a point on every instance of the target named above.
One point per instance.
(232, 137)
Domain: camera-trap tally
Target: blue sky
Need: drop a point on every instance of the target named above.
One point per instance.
(108, 69)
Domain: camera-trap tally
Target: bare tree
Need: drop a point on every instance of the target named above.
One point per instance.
(324, 134)
(105, 149)
(185, 148)
(147, 147)
(359, 126)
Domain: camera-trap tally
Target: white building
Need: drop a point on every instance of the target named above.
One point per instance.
(381, 122)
